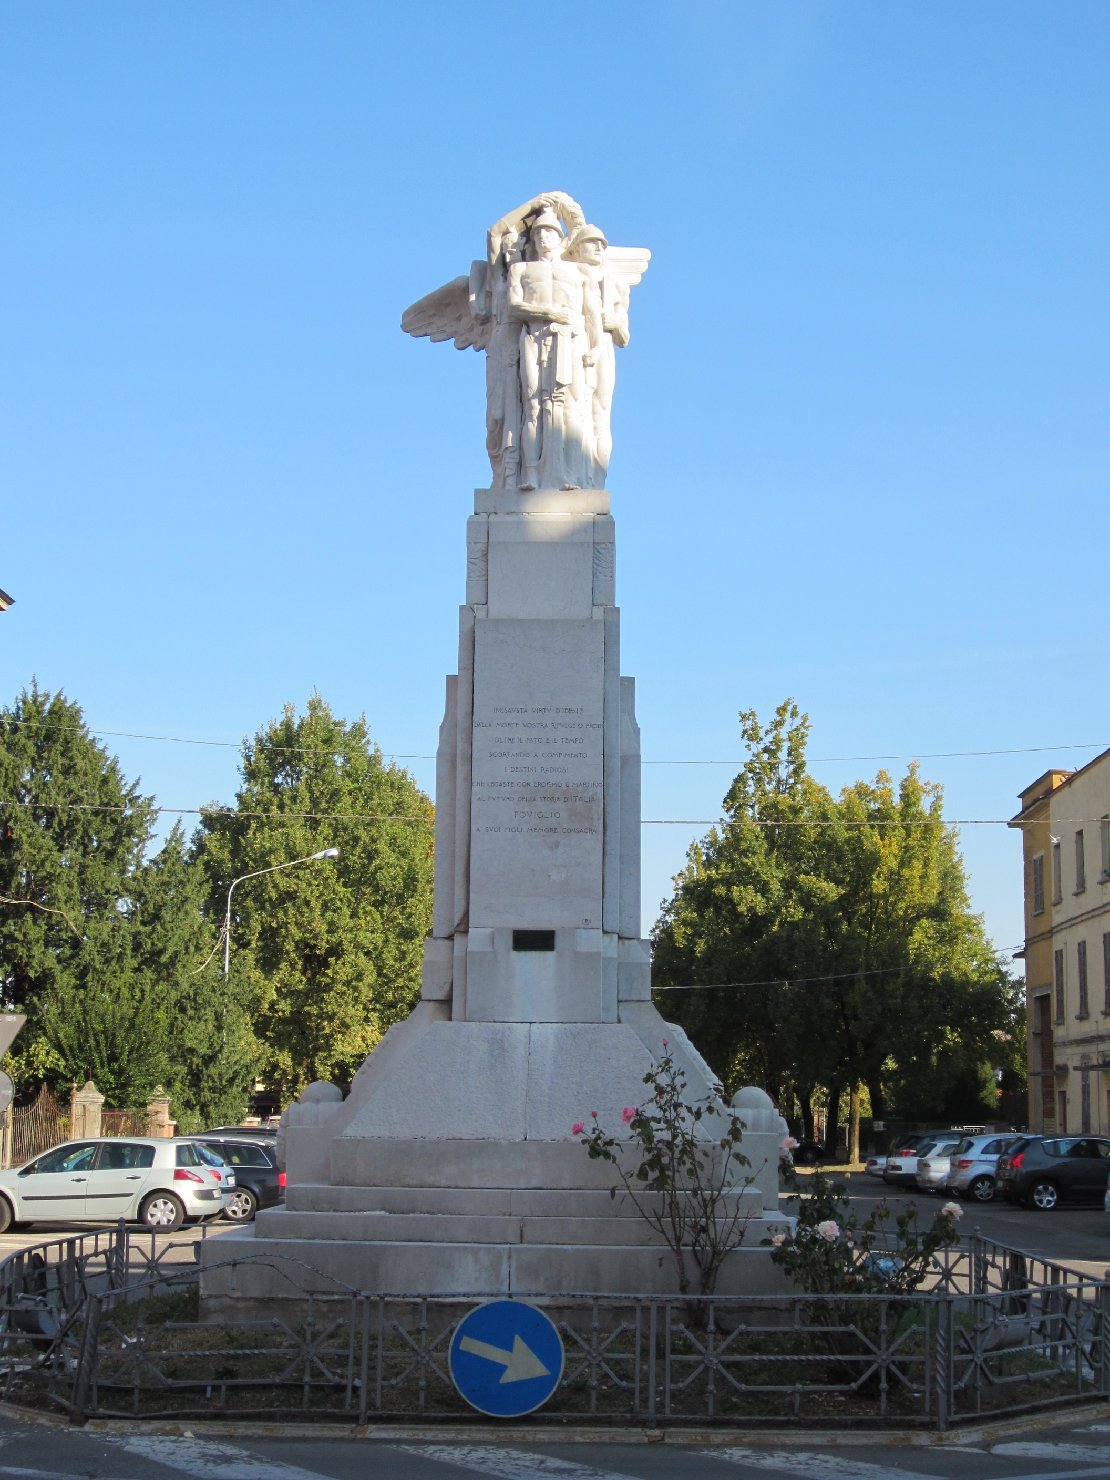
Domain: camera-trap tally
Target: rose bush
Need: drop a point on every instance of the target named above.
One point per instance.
(682, 1168)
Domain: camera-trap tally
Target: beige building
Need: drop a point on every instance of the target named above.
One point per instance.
(1065, 826)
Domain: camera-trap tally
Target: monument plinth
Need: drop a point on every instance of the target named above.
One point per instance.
(451, 1166)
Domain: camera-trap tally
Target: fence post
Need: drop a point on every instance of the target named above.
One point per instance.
(158, 1122)
(652, 1378)
(85, 1107)
(1100, 1347)
(119, 1258)
(942, 1365)
(6, 1147)
(86, 1361)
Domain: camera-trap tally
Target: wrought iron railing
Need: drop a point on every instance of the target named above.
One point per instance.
(998, 1332)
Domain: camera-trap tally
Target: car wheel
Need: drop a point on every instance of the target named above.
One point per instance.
(1043, 1196)
(982, 1189)
(163, 1211)
(6, 1219)
(242, 1205)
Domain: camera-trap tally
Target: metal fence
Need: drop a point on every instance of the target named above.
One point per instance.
(34, 1128)
(107, 1325)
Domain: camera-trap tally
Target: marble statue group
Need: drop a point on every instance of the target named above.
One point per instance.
(549, 305)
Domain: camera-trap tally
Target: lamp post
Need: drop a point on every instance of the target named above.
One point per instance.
(311, 858)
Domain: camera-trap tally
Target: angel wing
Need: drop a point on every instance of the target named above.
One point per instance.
(626, 263)
(447, 314)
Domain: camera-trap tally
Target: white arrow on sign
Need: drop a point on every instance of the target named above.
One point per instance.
(519, 1364)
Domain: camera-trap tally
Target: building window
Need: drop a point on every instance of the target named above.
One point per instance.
(1081, 976)
(1058, 966)
(1080, 864)
(1038, 883)
(1057, 875)
(1104, 839)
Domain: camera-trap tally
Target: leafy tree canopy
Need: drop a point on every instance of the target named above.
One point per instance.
(326, 955)
(837, 936)
(71, 866)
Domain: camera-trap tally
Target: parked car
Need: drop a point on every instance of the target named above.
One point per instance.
(242, 1130)
(159, 1181)
(933, 1166)
(901, 1161)
(809, 1153)
(1043, 1171)
(973, 1165)
(875, 1166)
(258, 1181)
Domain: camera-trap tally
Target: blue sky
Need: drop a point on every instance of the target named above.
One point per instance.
(861, 431)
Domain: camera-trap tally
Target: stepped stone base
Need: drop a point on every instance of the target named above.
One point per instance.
(377, 1203)
(248, 1273)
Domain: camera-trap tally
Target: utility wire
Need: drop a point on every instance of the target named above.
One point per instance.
(413, 756)
(234, 812)
(785, 981)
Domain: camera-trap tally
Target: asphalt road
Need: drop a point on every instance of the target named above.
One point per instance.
(136, 1452)
(1076, 1236)
(176, 1247)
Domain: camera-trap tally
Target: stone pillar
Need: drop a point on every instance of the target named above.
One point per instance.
(158, 1122)
(85, 1105)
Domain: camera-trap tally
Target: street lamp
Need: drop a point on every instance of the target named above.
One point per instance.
(312, 858)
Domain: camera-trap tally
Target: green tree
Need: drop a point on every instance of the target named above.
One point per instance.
(212, 1052)
(73, 841)
(837, 936)
(327, 956)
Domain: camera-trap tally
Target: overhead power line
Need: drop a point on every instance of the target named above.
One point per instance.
(234, 812)
(924, 755)
(787, 981)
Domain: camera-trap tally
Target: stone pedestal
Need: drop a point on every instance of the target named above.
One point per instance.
(451, 1167)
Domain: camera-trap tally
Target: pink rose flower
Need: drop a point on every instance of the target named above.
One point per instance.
(952, 1210)
(828, 1230)
(593, 1114)
(627, 1113)
(577, 1128)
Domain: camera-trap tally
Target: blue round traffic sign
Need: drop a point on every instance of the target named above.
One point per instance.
(506, 1358)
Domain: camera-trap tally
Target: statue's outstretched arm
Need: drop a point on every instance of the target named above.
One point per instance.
(567, 209)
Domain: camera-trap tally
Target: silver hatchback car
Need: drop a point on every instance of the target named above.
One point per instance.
(974, 1162)
(160, 1181)
(932, 1166)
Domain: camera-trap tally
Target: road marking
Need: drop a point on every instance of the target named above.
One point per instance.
(509, 1464)
(1100, 1474)
(16, 1470)
(205, 1460)
(1032, 1449)
(520, 1364)
(813, 1466)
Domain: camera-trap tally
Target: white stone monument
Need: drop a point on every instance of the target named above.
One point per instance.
(451, 1167)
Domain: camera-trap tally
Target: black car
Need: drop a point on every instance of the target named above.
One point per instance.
(1041, 1171)
(258, 1181)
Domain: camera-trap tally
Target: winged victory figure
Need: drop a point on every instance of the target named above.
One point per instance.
(549, 306)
